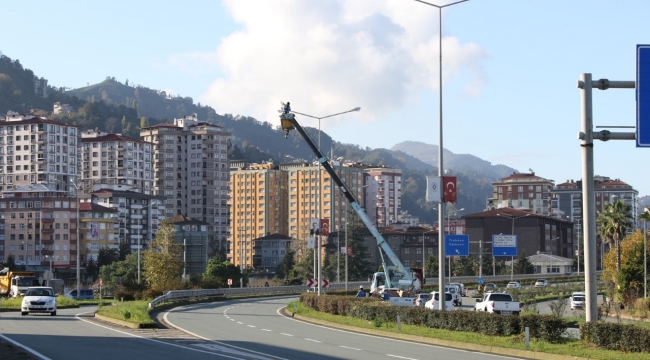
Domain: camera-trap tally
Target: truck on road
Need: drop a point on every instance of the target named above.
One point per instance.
(498, 303)
(15, 283)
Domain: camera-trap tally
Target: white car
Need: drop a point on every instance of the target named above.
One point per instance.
(434, 298)
(541, 283)
(577, 300)
(39, 299)
(513, 285)
(421, 299)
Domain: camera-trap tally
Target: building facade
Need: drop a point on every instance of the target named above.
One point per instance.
(115, 159)
(524, 191)
(269, 251)
(192, 172)
(192, 235)
(98, 229)
(383, 194)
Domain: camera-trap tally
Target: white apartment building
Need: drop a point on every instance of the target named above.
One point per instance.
(191, 170)
(114, 159)
(383, 194)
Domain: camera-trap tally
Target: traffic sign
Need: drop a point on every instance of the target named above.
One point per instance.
(312, 283)
(504, 245)
(642, 96)
(480, 281)
(229, 282)
(456, 245)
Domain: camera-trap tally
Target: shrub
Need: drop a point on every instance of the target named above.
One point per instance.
(124, 293)
(615, 336)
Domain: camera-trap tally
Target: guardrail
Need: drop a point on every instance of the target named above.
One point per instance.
(185, 295)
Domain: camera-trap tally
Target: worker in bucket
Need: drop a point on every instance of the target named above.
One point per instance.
(361, 292)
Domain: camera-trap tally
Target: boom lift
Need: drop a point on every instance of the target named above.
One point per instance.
(400, 277)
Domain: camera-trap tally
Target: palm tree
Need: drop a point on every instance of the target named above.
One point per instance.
(613, 223)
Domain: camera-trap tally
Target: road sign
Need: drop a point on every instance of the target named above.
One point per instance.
(456, 245)
(480, 281)
(504, 245)
(312, 283)
(643, 96)
(349, 251)
(229, 282)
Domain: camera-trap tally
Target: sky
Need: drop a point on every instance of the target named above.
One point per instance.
(510, 68)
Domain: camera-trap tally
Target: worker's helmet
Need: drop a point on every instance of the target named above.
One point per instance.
(361, 287)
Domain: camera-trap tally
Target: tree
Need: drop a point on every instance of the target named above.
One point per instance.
(359, 268)
(11, 263)
(121, 272)
(629, 279)
(304, 269)
(163, 262)
(464, 266)
(431, 267)
(284, 268)
(523, 265)
(613, 223)
(218, 272)
(124, 251)
(92, 270)
(107, 256)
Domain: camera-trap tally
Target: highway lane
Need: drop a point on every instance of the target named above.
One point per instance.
(70, 335)
(256, 324)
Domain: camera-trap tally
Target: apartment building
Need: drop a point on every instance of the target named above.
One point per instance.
(258, 207)
(116, 159)
(36, 150)
(524, 191)
(383, 194)
(191, 234)
(138, 215)
(191, 171)
(98, 229)
(38, 223)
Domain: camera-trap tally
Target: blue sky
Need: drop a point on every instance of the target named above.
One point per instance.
(510, 67)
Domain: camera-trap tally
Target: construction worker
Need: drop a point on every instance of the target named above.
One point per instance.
(361, 292)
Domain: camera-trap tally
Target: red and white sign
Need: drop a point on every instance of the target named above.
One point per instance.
(325, 227)
(100, 282)
(229, 282)
(349, 251)
(449, 188)
(312, 283)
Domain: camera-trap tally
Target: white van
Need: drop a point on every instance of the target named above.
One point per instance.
(454, 290)
(463, 292)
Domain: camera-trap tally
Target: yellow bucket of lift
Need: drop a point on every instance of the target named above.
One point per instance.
(286, 121)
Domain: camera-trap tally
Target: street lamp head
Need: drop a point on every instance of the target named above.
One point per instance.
(356, 109)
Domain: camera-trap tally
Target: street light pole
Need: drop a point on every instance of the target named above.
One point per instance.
(338, 253)
(346, 253)
(79, 241)
(320, 192)
(449, 225)
(441, 216)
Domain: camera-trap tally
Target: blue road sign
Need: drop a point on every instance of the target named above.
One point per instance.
(504, 245)
(643, 96)
(456, 245)
(480, 281)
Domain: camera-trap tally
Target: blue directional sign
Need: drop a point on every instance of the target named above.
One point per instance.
(480, 281)
(504, 245)
(643, 96)
(456, 245)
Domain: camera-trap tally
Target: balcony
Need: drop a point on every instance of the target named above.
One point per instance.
(47, 252)
(47, 219)
(47, 231)
(47, 241)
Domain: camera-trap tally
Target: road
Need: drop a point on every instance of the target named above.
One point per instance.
(258, 325)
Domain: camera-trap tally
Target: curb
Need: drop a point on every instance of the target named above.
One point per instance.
(124, 323)
(528, 354)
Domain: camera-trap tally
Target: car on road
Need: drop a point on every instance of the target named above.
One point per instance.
(85, 294)
(577, 300)
(490, 287)
(513, 285)
(421, 299)
(39, 299)
(541, 283)
(434, 299)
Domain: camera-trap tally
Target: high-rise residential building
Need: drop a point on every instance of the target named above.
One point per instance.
(116, 159)
(98, 229)
(38, 224)
(192, 235)
(524, 191)
(192, 172)
(35, 150)
(258, 207)
(383, 194)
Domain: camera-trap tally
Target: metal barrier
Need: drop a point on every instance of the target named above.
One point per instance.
(185, 295)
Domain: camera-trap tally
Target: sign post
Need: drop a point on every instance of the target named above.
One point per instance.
(505, 245)
(456, 245)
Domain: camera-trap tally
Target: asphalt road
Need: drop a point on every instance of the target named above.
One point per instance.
(259, 326)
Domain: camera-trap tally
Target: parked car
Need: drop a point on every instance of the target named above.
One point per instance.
(463, 292)
(513, 285)
(434, 298)
(39, 299)
(490, 287)
(454, 290)
(84, 294)
(577, 300)
(498, 303)
(421, 299)
(541, 283)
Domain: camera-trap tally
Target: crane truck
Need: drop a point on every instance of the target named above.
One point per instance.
(14, 283)
(400, 279)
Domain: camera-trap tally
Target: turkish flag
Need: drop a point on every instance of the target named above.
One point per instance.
(325, 227)
(449, 188)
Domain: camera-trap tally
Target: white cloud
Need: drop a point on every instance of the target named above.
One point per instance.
(330, 56)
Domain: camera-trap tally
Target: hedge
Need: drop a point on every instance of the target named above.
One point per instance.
(544, 327)
(615, 336)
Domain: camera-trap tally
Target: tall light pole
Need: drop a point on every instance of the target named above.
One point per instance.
(645, 217)
(441, 216)
(140, 241)
(320, 186)
(512, 258)
(346, 253)
(79, 242)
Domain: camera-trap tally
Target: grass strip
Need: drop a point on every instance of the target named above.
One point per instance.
(570, 347)
(132, 311)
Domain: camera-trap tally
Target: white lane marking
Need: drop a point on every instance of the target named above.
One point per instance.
(153, 340)
(26, 348)
(210, 340)
(286, 334)
(231, 319)
(279, 312)
(251, 326)
(266, 330)
(316, 341)
(239, 322)
(400, 357)
(350, 348)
